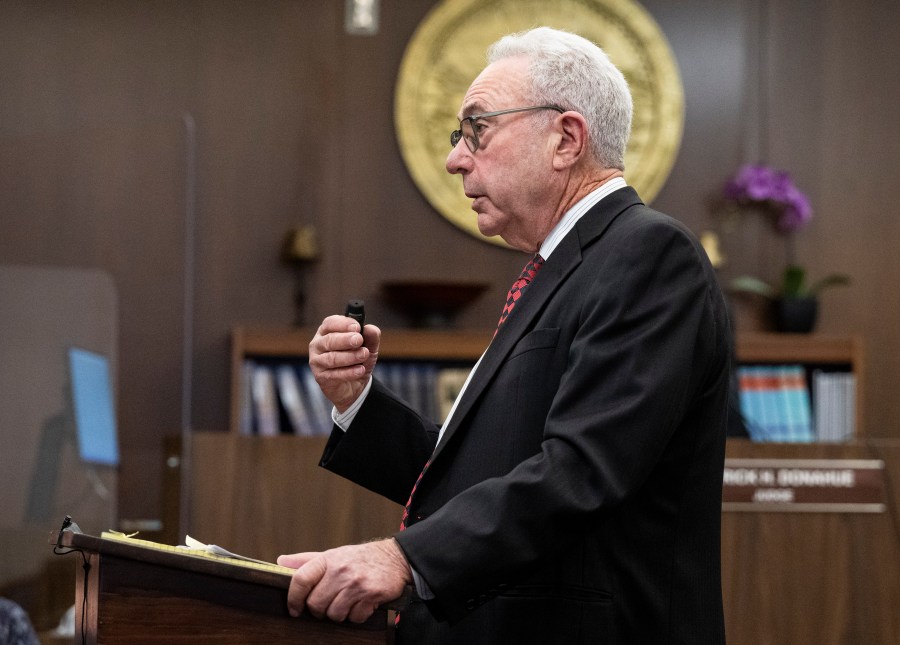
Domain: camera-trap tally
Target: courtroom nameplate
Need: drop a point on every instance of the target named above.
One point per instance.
(804, 485)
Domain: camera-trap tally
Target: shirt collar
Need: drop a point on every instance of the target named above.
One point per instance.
(575, 213)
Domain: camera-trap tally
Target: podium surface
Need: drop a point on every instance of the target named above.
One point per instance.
(131, 594)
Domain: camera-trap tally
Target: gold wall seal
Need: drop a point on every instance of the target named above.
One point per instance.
(447, 52)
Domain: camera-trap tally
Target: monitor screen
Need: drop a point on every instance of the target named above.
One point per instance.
(92, 398)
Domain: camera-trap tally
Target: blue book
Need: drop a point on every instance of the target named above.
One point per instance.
(796, 419)
(775, 403)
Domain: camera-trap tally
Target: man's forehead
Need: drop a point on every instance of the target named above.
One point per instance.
(498, 84)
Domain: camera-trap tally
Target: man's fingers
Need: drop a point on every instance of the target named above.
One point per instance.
(335, 334)
(330, 603)
(303, 582)
(337, 323)
(295, 560)
(372, 337)
(361, 612)
(338, 359)
(348, 582)
(346, 604)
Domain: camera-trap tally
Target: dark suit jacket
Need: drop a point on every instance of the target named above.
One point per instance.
(576, 495)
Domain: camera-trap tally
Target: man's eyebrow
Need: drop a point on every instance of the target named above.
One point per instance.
(473, 108)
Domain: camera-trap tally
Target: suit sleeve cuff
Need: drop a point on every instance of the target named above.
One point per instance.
(343, 420)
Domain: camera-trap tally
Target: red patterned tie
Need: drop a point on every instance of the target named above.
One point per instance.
(515, 291)
(405, 516)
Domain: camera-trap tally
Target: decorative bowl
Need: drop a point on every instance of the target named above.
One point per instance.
(431, 304)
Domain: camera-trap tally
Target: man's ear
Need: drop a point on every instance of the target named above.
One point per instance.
(573, 141)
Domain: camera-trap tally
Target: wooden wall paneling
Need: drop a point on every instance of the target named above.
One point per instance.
(267, 101)
(837, 136)
(857, 158)
(264, 498)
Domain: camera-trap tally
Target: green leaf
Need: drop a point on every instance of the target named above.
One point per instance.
(749, 284)
(833, 280)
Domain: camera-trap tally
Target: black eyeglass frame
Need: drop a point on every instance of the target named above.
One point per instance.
(473, 145)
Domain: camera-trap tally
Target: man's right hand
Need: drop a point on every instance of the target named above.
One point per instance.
(342, 357)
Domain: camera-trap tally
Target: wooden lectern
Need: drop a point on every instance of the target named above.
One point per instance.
(130, 594)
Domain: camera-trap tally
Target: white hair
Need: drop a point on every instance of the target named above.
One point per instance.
(575, 74)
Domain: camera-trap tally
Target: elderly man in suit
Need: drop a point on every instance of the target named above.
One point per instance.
(573, 495)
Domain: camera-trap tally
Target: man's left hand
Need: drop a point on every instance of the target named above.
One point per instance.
(348, 582)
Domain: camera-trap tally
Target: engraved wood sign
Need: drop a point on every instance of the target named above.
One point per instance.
(804, 485)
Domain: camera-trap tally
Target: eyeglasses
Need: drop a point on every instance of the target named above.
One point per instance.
(469, 132)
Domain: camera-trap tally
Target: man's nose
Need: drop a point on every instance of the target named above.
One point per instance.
(460, 159)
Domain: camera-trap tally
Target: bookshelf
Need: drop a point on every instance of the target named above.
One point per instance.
(843, 353)
(840, 602)
(291, 344)
(812, 351)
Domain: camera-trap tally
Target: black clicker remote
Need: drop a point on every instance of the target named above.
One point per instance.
(356, 309)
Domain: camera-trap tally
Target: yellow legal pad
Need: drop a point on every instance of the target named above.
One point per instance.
(199, 550)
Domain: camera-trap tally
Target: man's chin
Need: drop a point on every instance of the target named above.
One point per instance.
(487, 226)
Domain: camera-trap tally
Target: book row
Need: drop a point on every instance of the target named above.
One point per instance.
(279, 397)
(779, 403)
(789, 403)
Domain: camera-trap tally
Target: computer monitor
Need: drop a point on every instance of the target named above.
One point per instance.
(94, 407)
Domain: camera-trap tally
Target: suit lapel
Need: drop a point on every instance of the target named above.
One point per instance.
(564, 260)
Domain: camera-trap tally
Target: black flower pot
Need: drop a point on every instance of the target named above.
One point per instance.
(796, 315)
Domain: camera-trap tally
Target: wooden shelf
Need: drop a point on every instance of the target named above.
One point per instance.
(799, 348)
(395, 343)
(468, 345)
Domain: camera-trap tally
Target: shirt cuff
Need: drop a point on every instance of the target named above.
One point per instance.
(343, 420)
(422, 589)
